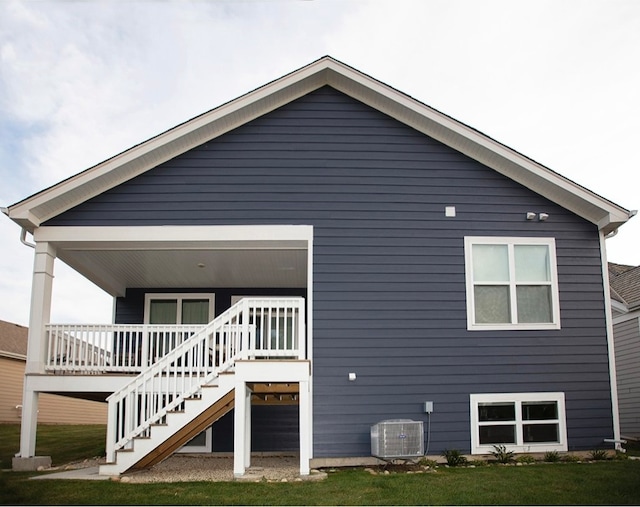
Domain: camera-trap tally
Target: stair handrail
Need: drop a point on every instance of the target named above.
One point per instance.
(198, 360)
(204, 355)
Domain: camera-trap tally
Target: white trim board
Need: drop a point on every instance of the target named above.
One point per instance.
(191, 236)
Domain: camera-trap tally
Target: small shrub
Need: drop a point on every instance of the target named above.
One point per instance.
(425, 462)
(501, 454)
(525, 458)
(454, 457)
(621, 456)
(551, 456)
(478, 463)
(598, 455)
(571, 458)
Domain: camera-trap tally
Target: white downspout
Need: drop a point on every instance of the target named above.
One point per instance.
(23, 239)
(610, 344)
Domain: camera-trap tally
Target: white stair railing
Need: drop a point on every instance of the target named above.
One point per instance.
(252, 328)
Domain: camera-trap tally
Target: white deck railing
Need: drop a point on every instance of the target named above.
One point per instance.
(252, 328)
(110, 348)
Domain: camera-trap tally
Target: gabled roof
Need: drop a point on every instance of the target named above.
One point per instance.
(624, 282)
(13, 340)
(34, 210)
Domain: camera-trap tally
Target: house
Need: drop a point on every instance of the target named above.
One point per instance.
(625, 304)
(317, 256)
(52, 409)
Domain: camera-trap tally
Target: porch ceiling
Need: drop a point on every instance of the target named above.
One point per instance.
(116, 270)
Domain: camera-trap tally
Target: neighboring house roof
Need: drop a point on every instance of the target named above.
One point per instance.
(13, 340)
(33, 211)
(624, 282)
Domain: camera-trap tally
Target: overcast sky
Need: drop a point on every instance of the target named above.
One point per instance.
(557, 80)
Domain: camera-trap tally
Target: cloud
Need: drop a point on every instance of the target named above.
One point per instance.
(82, 81)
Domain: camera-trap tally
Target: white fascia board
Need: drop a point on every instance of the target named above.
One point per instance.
(631, 315)
(621, 308)
(233, 235)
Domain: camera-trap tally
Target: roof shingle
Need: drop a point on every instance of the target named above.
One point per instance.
(13, 338)
(624, 282)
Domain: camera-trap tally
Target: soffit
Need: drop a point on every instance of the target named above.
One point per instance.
(116, 270)
(117, 258)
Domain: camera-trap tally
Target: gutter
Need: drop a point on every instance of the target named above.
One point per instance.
(13, 355)
(614, 232)
(23, 238)
(23, 233)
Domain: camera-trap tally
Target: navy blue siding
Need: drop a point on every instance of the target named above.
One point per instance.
(130, 309)
(389, 287)
(273, 428)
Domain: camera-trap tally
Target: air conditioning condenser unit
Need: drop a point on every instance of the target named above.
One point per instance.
(397, 438)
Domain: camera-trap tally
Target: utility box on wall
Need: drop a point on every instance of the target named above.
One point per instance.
(397, 438)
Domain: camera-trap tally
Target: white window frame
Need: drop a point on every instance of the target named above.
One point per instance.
(206, 448)
(518, 399)
(510, 242)
(179, 296)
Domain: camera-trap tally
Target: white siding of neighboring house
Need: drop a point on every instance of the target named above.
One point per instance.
(52, 409)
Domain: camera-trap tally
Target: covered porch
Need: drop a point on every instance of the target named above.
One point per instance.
(95, 360)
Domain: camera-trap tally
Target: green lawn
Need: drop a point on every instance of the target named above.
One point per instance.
(601, 483)
(64, 443)
(560, 484)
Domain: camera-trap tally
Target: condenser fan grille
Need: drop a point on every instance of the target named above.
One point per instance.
(397, 438)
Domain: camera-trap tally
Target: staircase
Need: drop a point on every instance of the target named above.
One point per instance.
(192, 386)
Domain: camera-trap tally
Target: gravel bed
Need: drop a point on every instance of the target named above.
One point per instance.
(183, 468)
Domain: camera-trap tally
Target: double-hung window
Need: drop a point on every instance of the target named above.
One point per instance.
(523, 422)
(512, 283)
(178, 308)
(188, 312)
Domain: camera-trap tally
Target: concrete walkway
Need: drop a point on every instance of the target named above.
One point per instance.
(89, 474)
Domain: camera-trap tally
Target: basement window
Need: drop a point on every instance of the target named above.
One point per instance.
(523, 422)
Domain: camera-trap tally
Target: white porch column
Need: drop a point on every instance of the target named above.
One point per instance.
(40, 312)
(304, 401)
(29, 421)
(247, 428)
(242, 429)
